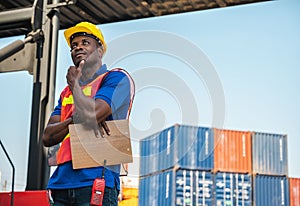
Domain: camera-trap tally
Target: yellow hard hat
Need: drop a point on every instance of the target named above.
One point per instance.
(85, 28)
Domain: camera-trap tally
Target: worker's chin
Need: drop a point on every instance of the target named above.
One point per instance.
(77, 61)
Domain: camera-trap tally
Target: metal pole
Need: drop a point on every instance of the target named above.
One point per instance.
(13, 175)
(42, 102)
(34, 173)
(34, 166)
(48, 104)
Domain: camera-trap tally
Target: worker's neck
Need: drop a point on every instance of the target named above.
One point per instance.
(89, 71)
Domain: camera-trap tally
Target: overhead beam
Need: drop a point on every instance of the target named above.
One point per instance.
(20, 61)
(16, 15)
(221, 3)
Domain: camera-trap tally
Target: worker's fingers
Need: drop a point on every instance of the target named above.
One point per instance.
(105, 127)
(98, 132)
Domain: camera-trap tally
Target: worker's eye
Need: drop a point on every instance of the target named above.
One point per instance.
(85, 42)
(73, 46)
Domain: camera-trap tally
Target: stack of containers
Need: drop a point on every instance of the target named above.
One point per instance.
(176, 167)
(232, 167)
(186, 165)
(270, 169)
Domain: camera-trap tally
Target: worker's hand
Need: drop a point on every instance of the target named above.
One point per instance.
(76, 119)
(99, 132)
(105, 127)
(74, 74)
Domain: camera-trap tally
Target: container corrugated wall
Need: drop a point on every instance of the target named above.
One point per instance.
(232, 189)
(166, 144)
(195, 148)
(294, 191)
(149, 153)
(232, 151)
(148, 194)
(270, 190)
(157, 151)
(177, 187)
(269, 154)
(182, 146)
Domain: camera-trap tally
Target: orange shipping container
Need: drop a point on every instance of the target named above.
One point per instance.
(294, 191)
(232, 152)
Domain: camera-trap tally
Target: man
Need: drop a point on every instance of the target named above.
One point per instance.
(93, 95)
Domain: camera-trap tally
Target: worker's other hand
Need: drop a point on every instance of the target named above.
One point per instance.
(102, 127)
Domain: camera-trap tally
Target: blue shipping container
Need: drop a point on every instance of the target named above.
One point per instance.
(232, 189)
(166, 144)
(195, 148)
(149, 155)
(182, 146)
(270, 190)
(269, 154)
(176, 188)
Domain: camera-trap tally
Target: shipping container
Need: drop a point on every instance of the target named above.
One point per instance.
(232, 189)
(232, 151)
(195, 148)
(177, 187)
(148, 186)
(294, 191)
(167, 147)
(269, 154)
(149, 155)
(270, 190)
(181, 146)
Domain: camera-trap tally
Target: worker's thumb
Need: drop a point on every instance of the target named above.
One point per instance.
(81, 64)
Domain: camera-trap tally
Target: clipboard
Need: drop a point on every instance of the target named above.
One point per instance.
(88, 150)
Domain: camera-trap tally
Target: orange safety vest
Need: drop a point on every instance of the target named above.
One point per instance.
(67, 109)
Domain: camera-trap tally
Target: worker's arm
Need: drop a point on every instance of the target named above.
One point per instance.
(55, 130)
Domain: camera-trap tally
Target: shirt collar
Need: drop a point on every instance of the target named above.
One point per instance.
(100, 71)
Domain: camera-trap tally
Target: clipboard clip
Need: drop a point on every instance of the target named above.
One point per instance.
(104, 164)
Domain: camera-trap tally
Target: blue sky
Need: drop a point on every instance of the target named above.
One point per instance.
(252, 51)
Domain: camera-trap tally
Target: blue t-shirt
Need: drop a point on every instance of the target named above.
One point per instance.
(115, 90)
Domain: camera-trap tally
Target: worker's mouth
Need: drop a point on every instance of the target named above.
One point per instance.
(79, 55)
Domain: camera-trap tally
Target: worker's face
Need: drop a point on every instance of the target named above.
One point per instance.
(87, 48)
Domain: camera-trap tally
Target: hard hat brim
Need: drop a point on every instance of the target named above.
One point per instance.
(69, 32)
